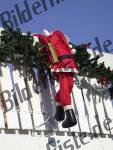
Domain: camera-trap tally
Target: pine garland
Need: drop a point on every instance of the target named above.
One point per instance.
(90, 67)
(18, 49)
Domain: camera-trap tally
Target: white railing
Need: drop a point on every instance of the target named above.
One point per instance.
(91, 103)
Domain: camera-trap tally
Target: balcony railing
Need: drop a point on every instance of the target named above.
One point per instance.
(28, 107)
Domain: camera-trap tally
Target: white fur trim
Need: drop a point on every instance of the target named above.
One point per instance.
(65, 70)
(46, 32)
(52, 70)
(58, 104)
(67, 107)
(70, 46)
(67, 38)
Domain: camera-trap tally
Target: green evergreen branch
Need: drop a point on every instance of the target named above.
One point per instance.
(15, 43)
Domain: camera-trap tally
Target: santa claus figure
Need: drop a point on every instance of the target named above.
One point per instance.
(63, 67)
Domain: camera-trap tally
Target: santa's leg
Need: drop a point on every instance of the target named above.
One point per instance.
(66, 85)
(59, 115)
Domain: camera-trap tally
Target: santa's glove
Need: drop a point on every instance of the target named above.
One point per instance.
(73, 50)
(35, 39)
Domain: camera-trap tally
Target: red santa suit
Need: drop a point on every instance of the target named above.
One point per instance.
(65, 68)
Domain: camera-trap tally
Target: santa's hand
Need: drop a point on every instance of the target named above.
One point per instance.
(70, 45)
(35, 39)
(73, 51)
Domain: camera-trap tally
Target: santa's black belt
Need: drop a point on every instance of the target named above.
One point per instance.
(70, 56)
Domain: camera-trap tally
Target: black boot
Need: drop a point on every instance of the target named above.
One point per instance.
(59, 116)
(111, 92)
(70, 119)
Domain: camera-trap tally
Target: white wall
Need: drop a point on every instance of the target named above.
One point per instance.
(17, 142)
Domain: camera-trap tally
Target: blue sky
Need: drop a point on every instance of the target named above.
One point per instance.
(81, 20)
